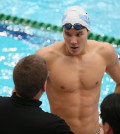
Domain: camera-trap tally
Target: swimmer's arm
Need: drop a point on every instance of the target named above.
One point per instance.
(117, 88)
(113, 66)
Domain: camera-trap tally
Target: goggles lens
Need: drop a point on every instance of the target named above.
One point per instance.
(76, 26)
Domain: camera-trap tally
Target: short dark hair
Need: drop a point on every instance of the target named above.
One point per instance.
(29, 75)
(110, 111)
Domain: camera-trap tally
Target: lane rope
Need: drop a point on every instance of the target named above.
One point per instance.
(55, 28)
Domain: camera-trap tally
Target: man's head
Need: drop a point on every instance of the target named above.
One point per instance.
(75, 17)
(30, 75)
(76, 28)
(110, 113)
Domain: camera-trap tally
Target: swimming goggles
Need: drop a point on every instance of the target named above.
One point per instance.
(76, 26)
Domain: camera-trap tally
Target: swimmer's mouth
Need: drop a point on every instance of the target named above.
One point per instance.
(74, 47)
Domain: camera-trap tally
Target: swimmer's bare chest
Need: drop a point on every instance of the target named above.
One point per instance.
(77, 74)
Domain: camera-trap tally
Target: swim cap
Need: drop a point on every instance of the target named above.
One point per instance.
(75, 14)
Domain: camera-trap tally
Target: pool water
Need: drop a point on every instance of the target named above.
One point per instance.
(22, 41)
(104, 14)
(18, 44)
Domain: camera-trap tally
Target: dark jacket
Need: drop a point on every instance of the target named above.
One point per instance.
(19, 115)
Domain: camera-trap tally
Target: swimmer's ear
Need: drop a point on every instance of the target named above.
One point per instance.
(13, 91)
(107, 129)
(45, 85)
(41, 91)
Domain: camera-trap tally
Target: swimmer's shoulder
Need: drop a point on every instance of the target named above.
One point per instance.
(103, 48)
(101, 45)
(49, 50)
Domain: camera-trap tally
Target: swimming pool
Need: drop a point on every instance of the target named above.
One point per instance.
(22, 41)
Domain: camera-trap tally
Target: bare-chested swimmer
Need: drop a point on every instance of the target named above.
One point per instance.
(76, 67)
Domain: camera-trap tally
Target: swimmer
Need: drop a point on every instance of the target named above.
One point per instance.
(76, 67)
